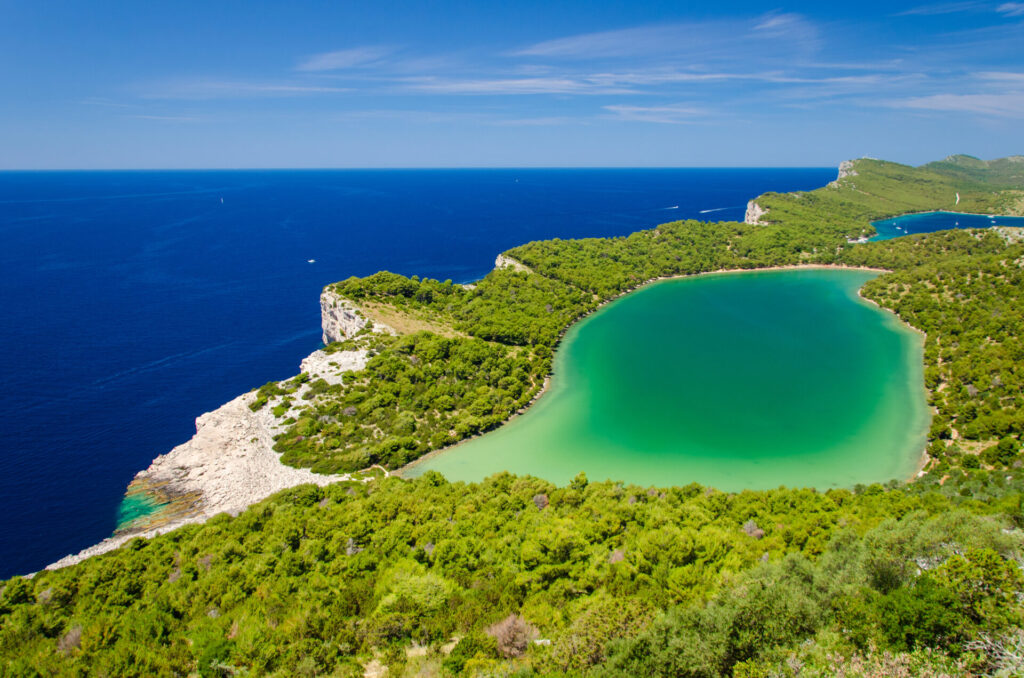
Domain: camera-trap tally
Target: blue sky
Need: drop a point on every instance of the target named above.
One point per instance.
(441, 84)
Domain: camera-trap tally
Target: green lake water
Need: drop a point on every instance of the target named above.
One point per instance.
(747, 380)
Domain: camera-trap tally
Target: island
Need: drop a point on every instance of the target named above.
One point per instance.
(354, 571)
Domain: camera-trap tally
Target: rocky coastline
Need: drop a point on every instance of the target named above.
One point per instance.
(230, 462)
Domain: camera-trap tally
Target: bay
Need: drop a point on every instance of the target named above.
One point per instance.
(929, 222)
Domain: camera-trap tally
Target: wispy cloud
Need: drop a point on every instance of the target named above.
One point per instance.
(776, 59)
(661, 76)
(102, 101)
(775, 32)
(461, 118)
(166, 118)
(939, 8)
(344, 58)
(670, 115)
(1001, 76)
(226, 89)
(1011, 9)
(622, 42)
(538, 122)
(787, 25)
(512, 86)
(1004, 105)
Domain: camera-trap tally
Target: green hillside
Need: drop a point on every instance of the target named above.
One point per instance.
(514, 576)
(1002, 173)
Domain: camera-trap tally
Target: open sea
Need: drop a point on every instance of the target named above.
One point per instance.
(135, 301)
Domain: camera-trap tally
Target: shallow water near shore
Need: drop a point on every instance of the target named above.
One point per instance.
(135, 508)
(739, 381)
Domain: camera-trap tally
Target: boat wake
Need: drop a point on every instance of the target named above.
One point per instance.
(718, 209)
(157, 364)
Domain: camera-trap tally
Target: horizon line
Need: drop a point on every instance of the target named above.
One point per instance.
(404, 167)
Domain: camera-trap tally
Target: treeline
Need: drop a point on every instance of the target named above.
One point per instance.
(880, 189)
(507, 307)
(960, 287)
(1003, 173)
(418, 392)
(615, 579)
(965, 290)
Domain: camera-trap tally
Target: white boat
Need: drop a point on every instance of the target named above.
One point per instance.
(310, 261)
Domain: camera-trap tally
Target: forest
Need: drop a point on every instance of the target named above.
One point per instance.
(424, 392)
(514, 576)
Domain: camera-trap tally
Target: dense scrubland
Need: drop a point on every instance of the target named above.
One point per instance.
(422, 392)
(514, 576)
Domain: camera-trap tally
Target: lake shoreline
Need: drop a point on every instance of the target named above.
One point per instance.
(197, 510)
(922, 458)
(966, 214)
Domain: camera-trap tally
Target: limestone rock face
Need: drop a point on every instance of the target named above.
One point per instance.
(503, 261)
(339, 317)
(228, 465)
(230, 461)
(331, 366)
(754, 214)
(846, 170)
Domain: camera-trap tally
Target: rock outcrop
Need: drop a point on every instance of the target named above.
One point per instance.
(754, 214)
(228, 465)
(846, 169)
(339, 318)
(505, 261)
(330, 366)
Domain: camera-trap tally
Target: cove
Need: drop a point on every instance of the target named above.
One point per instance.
(928, 222)
(736, 380)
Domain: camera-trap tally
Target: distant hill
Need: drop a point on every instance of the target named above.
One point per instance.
(1003, 173)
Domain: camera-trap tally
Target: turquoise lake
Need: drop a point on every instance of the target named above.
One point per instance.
(746, 380)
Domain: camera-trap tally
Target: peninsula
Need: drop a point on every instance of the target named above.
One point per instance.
(412, 366)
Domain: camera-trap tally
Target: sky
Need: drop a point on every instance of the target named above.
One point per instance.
(253, 84)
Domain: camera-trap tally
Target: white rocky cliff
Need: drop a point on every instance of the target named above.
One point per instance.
(846, 170)
(504, 261)
(754, 214)
(230, 463)
(339, 317)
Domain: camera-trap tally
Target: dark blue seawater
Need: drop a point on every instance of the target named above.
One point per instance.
(928, 222)
(135, 301)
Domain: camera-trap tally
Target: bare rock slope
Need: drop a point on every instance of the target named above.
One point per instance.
(230, 463)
